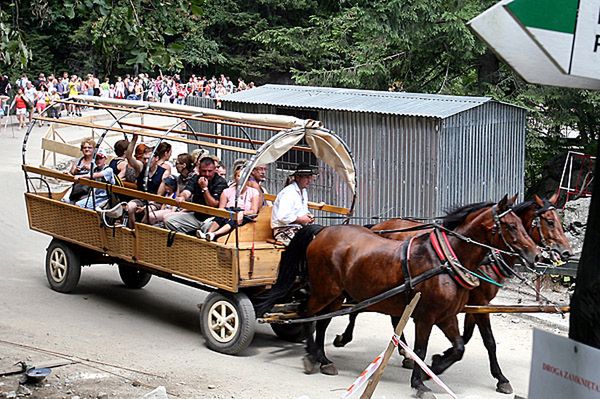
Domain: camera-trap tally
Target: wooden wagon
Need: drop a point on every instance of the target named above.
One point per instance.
(232, 268)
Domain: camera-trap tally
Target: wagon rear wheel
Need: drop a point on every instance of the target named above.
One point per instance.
(228, 322)
(133, 277)
(63, 267)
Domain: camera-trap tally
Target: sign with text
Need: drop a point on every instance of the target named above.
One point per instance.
(567, 30)
(562, 368)
(520, 48)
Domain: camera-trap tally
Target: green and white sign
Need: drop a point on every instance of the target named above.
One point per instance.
(551, 42)
(567, 30)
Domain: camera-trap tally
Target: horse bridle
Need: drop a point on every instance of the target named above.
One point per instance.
(537, 223)
(498, 226)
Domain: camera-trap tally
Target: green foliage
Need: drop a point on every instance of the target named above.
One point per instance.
(410, 45)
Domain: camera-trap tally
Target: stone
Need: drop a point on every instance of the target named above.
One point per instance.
(102, 395)
(159, 392)
(23, 391)
(75, 397)
(136, 383)
(10, 395)
(211, 386)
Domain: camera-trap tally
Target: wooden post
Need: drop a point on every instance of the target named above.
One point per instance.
(372, 384)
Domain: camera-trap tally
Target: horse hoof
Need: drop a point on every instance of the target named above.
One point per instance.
(504, 387)
(408, 363)
(425, 394)
(339, 342)
(329, 369)
(310, 364)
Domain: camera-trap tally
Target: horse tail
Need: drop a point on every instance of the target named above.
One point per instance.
(293, 260)
(292, 264)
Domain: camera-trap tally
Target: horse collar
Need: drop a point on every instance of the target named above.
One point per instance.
(444, 251)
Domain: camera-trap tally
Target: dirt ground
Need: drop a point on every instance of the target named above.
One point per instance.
(124, 343)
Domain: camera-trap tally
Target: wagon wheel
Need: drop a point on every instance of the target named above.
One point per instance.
(227, 322)
(291, 332)
(63, 267)
(133, 277)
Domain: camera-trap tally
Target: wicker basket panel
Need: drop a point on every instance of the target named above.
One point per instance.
(208, 263)
(64, 220)
(120, 242)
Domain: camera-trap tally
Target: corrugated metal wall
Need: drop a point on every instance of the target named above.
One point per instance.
(414, 166)
(482, 155)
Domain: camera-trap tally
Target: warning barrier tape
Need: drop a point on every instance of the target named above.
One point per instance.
(371, 368)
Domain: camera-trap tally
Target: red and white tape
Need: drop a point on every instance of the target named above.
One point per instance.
(363, 377)
(371, 368)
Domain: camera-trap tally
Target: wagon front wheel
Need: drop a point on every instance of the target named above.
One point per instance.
(228, 322)
(63, 267)
(133, 277)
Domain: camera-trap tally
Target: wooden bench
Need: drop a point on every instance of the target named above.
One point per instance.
(257, 231)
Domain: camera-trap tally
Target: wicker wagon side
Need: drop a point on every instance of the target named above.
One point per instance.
(209, 263)
(65, 221)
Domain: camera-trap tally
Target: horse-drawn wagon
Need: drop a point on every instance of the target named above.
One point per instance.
(233, 267)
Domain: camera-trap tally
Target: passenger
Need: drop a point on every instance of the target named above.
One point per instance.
(156, 174)
(204, 189)
(102, 173)
(82, 168)
(257, 179)
(247, 208)
(164, 152)
(290, 210)
(169, 190)
(185, 167)
(221, 169)
(119, 164)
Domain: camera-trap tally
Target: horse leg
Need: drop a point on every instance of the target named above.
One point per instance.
(469, 327)
(423, 331)
(407, 362)
(347, 335)
(439, 363)
(485, 328)
(310, 359)
(327, 366)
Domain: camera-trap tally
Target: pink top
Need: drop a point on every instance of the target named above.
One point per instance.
(246, 197)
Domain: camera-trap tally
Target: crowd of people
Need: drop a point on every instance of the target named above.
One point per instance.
(197, 177)
(31, 96)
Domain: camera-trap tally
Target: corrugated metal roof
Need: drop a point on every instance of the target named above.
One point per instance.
(383, 102)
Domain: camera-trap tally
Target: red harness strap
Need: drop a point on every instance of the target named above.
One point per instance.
(437, 247)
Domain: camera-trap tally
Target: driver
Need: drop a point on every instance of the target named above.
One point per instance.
(290, 209)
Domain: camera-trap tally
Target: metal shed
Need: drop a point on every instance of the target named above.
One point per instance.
(416, 154)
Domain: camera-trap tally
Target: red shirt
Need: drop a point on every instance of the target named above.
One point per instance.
(20, 103)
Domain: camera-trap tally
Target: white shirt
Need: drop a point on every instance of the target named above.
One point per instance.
(290, 203)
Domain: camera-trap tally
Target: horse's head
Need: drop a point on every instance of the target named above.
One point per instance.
(507, 230)
(546, 228)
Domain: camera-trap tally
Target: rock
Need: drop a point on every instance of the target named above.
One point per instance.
(136, 383)
(211, 386)
(75, 397)
(10, 395)
(159, 392)
(23, 391)
(102, 395)
(515, 321)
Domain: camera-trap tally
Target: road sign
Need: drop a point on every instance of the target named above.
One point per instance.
(567, 30)
(520, 48)
(563, 368)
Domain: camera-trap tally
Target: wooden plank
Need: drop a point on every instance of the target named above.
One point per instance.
(61, 148)
(129, 192)
(516, 309)
(265, 267)
(145, 133)
(175, 114)
(321, 206)
(208, 135)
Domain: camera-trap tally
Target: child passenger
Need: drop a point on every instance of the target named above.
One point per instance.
(247, 208)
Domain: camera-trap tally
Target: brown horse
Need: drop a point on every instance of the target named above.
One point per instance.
(542, 224)
(340, 259)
